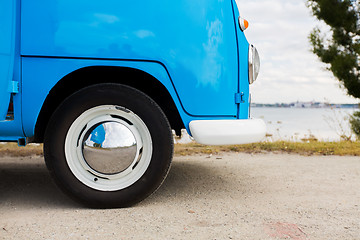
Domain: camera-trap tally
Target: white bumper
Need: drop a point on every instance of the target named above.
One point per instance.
(228, 132)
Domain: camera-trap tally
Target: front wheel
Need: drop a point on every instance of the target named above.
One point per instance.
(108, 145)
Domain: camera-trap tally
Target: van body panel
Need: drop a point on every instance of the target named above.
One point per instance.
(7, 53)
(194, 48)
(40, 75)
(243, 48)
(197, 44)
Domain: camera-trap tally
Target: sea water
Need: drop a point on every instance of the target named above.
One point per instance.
(300, 124)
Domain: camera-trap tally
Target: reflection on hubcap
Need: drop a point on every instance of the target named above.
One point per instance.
(109, 147)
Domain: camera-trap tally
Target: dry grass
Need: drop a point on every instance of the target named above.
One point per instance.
(307, 148)
(13, 150)
(304, 148)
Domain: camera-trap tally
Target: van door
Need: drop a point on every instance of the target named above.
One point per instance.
(7, 49)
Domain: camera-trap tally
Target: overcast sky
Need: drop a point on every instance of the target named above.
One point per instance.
(289, 70)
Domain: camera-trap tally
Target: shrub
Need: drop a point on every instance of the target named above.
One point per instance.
(355, 123)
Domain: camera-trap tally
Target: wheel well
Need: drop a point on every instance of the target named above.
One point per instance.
(102, 74)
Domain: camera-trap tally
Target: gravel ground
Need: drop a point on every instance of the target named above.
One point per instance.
(226, 196)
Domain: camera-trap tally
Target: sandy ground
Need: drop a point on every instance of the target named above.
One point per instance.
(229, 196)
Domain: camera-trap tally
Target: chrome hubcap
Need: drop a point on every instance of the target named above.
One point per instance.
(109, 147)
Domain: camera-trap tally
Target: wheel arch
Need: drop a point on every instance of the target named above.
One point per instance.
(92, 75)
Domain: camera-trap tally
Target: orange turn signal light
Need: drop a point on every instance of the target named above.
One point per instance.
(243, 23)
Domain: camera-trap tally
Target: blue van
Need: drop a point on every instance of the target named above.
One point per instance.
(103, 83)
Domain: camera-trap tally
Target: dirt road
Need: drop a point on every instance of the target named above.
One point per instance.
(229, 196)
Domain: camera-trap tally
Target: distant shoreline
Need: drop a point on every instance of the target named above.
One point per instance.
(306, 105)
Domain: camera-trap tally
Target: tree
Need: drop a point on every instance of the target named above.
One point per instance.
(341, 50)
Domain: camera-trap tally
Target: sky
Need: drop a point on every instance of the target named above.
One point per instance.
(289, 72)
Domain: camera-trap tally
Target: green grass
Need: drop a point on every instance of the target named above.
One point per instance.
(344, 148)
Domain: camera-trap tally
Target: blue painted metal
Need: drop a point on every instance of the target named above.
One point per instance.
(243, 48)
(7, 49)
(13, 87)
(195, 40)
(11, 130)
(41, 80)
(239, 98)
(194, 48)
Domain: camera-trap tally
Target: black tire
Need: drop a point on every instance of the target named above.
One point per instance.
(63, 158)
